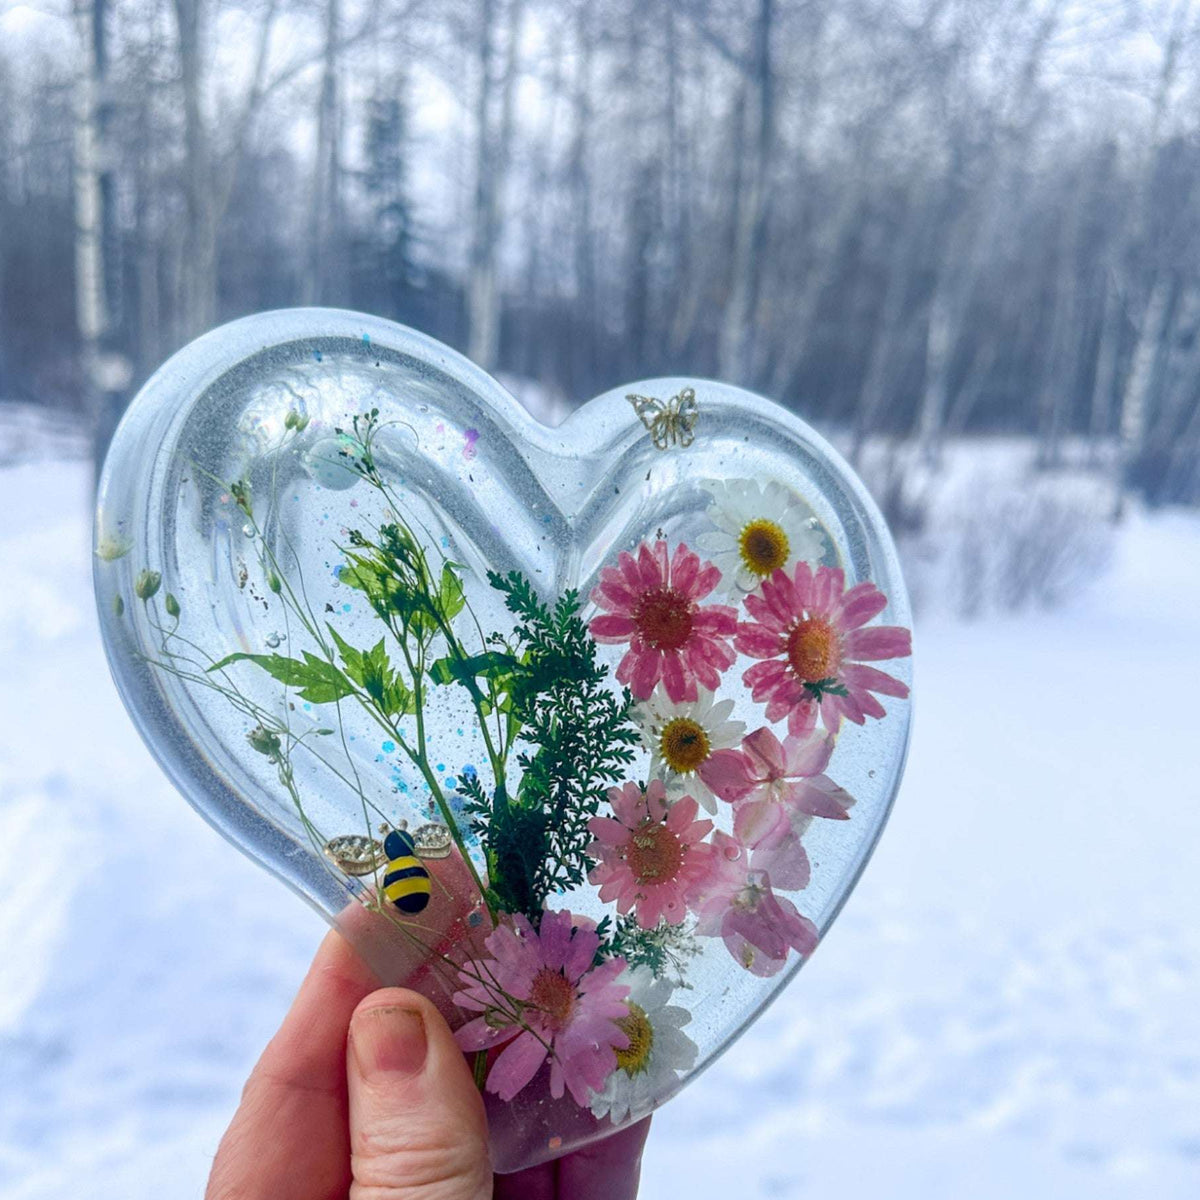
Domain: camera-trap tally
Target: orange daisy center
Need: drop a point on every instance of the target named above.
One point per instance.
(813, 649)
(654, 853)
(663, 617)
(554, 994)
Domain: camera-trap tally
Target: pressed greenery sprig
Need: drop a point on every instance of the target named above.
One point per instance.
(665, 949)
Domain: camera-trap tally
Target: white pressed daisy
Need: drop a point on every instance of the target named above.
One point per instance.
(758, 530)
(682, 737)
(658, 1049)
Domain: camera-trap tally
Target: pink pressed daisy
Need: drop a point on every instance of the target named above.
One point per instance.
(776, 788)
(653, 604)
(651, 856)
(810, 629)
(736, 904)
(540, 992)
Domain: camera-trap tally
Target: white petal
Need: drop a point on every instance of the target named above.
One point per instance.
(703, 796)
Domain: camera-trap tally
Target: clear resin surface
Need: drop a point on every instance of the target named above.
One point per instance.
(586, 733)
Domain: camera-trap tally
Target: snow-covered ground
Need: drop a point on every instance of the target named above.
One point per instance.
(1008, 1006)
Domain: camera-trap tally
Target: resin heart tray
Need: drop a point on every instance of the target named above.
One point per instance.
(578, 731)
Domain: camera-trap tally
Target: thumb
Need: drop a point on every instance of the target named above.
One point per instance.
(417, 1128)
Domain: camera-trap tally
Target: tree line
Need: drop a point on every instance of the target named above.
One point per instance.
(911, 218)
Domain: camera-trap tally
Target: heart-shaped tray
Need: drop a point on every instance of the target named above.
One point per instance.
(578, 730)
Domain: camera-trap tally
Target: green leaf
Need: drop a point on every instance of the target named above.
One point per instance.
(315, 680)
(451, 597)
(495, 667)
(372, 671)
(817, 688)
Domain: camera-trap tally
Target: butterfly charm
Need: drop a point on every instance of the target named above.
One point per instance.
(671, 423)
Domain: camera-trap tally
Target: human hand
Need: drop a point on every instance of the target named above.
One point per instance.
(364, 1093)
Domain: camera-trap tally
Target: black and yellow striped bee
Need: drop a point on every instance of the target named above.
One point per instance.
(405, 881)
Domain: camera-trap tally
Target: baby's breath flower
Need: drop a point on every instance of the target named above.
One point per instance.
(146, 584)
(265, 741)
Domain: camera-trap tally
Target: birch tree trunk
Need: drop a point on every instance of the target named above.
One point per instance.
(1154, 307)
(198, 285)
(91, 302)
(105, 375)
(735, 349)
(324, 216)
(493, 146)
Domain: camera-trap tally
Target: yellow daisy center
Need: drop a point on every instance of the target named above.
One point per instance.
(763, 546)
(654, 853)
(635, 1058)
(684, 745)
(813, 650)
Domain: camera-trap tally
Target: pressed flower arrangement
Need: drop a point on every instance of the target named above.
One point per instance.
(553, 725)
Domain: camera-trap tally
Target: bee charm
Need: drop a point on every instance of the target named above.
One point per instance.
(405, 881)
(670, 423)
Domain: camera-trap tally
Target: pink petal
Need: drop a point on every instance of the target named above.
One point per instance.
(817, 800)
(861, 676)
(782, 598)
(648, 569)
(607, 831)
(663, 560)
(481, 1034)
(629, 571)
(580, 953)
(759, 821)
(728, 775)
(766, 674)
(604, 977)
(867, 703)
(803, 583)
(680, 684)
(828, 585)
(611, 628)
(716, 620)
(646, 673)
(879, 641)
(757, 641)
(809, 755)
(516, 1066)
(860, 604)
(802, 719)
(685, 566)
(654, 803)
(766, 754)
(613, 594)
(682, 814)
(762, 612)
(786, 862)
(705, 581)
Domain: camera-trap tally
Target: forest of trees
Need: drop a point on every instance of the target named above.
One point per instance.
(912, 218)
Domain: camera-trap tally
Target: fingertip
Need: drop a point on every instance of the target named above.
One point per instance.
(416, 1116)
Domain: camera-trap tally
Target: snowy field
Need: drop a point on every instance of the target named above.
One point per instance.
(1009, 1005)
